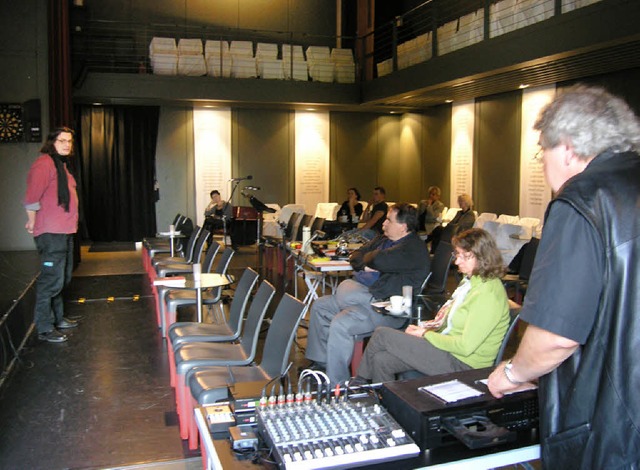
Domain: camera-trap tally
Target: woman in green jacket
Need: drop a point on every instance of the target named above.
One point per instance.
(466, 332)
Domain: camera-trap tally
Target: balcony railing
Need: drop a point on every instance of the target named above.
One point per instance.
(429, 30)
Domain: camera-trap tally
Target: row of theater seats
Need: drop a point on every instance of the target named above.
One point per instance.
(504, 16)
(510, 232)
(238, 60)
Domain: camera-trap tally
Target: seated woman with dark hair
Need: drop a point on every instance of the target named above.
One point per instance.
(218, 215)
(467, 331)
(351, 209)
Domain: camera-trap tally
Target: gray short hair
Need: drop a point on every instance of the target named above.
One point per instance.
(591, 120)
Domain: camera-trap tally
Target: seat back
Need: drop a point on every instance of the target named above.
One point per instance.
(425, 282)
(212, 251)
(305, 220)
(253, 322)
(277, 345)
(515, 318)
(440, 269)
(199, 246)
(186, 227)
(289, 231)
(225, 259)
(241, 298)
(528, 257)
(191, 243)
(317, 224)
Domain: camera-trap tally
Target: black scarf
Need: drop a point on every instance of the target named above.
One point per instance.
(63, 183)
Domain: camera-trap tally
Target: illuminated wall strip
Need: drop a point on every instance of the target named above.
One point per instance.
(535, 193)
(212, 151)
(462, 123)
(311, 159)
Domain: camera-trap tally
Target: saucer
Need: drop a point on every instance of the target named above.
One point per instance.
(395, 312)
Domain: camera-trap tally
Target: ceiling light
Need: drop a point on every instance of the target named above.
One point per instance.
(523, 86)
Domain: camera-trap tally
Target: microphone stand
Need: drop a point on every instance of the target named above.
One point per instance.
(234, 184)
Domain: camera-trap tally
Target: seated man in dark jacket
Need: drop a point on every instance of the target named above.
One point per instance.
(385, 264)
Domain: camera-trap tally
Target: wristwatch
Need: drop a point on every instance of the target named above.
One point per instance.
(509, 373)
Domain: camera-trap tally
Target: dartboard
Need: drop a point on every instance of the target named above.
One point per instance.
(11, 128)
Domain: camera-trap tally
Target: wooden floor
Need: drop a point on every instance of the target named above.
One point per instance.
(103, 399)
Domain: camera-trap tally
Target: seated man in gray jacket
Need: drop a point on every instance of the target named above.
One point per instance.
(392, 260)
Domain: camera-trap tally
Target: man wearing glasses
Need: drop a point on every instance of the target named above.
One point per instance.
(383, 266)
(51, 203)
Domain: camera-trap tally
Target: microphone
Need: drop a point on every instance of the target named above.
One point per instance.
(242, 179)
(252, 188)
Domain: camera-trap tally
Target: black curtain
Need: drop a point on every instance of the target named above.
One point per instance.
(116, 154)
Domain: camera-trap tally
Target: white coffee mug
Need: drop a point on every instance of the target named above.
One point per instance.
(396, 302)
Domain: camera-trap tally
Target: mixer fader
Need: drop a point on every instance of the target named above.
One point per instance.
(341, 434)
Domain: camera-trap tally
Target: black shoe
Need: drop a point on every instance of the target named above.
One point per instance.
(313, 366)
(53, 336)
(66, 323)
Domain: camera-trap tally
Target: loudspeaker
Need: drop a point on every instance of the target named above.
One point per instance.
(32, 121)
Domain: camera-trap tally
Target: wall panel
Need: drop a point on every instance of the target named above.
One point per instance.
(174, 165)
(262, 146)
(353, 154)
(497, 157)
(436, 150)
(389, 151)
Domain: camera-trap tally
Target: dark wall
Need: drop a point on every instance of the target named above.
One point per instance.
(497, 153)
(354, 159)
(623, 83)
(314, 17)
(436, 168)
(262, 146)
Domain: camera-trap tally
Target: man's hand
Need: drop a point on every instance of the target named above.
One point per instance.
(499, 384)
(539, 353)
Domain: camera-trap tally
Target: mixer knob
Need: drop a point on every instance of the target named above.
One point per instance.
(398, 433)
(391, 442)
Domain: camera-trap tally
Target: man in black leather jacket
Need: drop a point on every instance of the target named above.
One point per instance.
(583, 301)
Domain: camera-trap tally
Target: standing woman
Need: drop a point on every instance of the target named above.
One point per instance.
(51, 202)
(467, 331)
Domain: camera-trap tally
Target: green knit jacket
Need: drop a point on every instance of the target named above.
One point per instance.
(478, 325)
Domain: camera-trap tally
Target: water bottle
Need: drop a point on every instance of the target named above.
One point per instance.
(306, 236)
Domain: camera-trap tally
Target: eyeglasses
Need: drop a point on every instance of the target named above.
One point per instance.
(464, 256)
(65, 141)
(538, 155)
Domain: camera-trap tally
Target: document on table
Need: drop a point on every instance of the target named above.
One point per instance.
(451, 391)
